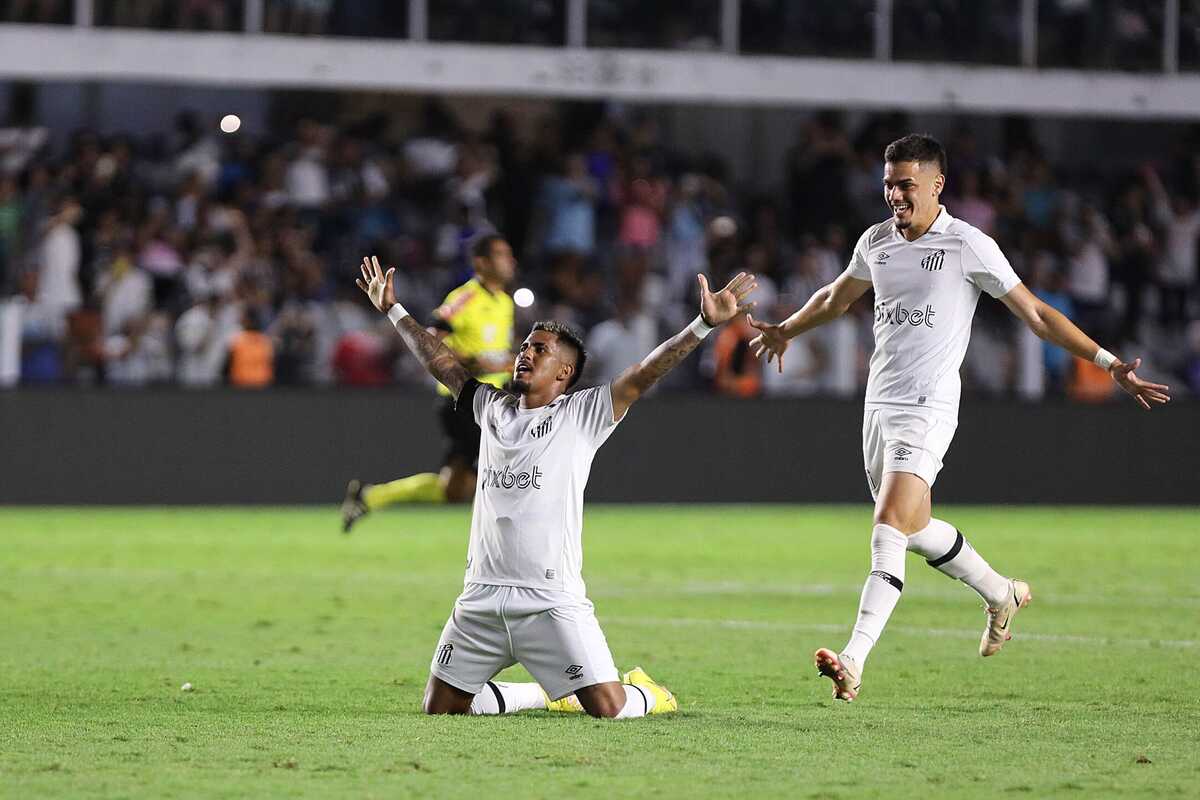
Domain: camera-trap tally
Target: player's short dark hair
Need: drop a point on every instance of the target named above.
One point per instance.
(570, 336)
(481, 245)
(916, 147)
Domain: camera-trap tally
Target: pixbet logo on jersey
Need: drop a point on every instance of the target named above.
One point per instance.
(507, 479)
(899, 315)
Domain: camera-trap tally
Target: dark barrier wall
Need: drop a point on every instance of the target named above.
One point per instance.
(173, 447)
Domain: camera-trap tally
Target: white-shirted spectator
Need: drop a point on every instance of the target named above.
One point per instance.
(202, 335)
(140, 354)
(617, 343)
(1179, 216)
(58, 290)
(126, 293)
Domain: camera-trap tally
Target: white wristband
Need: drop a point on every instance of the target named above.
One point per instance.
(700, 328)
(1104, 359)
(397, 313)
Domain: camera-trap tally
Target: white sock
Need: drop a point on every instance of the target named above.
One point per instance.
(947, 551)
(880, 593)
(508, 698)
(638, 702)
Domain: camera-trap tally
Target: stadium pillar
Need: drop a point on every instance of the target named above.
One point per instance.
(1029, 32)
(1170, 54)
(84, 13)
(252, 16)
(883, 30)
(731, 18)
(418, 20)
(576, 23)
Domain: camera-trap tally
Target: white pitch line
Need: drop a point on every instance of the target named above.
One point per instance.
(952, 633)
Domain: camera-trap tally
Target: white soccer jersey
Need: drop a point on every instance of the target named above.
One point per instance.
(925, 297)
(527, 522)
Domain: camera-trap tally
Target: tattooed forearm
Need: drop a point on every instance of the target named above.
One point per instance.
(638, 379)
(433, 355)
(664, 358)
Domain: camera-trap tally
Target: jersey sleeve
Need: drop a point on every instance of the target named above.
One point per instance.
(985, 265)
(592, 411)
(473, 400)
(858, 267)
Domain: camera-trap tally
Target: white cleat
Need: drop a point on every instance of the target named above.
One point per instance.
(353, 507)
(999, 620)
(845, 674)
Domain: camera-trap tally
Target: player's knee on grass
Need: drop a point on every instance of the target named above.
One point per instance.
(442, 698)
(604, 700)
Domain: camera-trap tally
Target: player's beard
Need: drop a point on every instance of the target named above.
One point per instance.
(520, 386)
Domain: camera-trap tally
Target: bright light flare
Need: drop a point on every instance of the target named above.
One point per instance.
(523, 297)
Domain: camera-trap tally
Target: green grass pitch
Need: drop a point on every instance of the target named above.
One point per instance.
(308, 652)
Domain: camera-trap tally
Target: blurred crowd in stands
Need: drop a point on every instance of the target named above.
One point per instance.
(202, 259)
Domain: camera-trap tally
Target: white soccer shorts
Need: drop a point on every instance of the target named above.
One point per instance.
(902, 439)
(554, 635)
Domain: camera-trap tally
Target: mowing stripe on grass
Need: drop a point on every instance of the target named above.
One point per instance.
(952, 633)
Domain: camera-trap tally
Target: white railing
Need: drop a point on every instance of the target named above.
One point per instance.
(251, 58)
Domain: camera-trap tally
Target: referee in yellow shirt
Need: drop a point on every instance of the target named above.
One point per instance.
(476, 322)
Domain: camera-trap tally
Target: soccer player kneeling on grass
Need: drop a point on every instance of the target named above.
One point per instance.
(524, 599)
(927, 269)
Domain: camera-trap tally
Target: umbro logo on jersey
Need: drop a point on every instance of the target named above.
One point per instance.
(902, 453)
(882, 257)
(574, 671)
(933, 261)
(542, 428)
(444, 653)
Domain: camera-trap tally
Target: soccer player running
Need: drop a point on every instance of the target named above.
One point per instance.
(476, 321)
(927, 269)
(523, 599)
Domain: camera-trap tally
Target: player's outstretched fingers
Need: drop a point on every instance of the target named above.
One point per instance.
(703, 284)
(375, 264)
(746, 289)
(365, 269)
(360, 284)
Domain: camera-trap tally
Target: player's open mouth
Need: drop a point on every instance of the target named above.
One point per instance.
(523, 367)
(900, 209)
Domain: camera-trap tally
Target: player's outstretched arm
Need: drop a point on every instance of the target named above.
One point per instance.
(429, 350)
(716, 308)
(1050, 324)
(827, 304)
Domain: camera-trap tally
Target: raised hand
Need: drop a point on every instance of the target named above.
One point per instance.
(377, 284)
(1141, 391)
(770, 340)
(722, 306)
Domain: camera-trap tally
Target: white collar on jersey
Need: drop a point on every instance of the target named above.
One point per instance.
(942, 221)
(940, 225)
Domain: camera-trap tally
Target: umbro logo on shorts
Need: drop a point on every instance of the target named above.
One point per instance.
(933, 261)
(444, 654)
(575, 671)
(902, 453)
